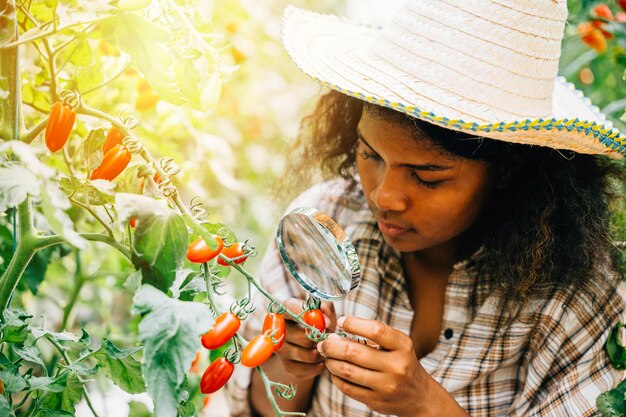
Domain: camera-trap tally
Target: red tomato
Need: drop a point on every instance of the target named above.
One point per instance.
(603, 11)
(592, 37)
(274, 321)
(59, 125)
(315, 318)
(114, 137)
(133, 221)
(113, 163)
(216, 376)
(225, 327)
(622, 3)
(257, 351)
(232, 251)
(199, 252)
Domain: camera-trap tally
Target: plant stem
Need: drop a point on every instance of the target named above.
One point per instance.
(270, 396)
(24, 252)
(30, 136)
(49, 32)
(44, 242)
(95, 216)
(99, 86)
(69, 363)
(79, 280)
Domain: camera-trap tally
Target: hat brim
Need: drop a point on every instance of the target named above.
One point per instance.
(336, 53)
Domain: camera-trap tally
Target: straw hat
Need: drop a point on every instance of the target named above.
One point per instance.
(485, 67)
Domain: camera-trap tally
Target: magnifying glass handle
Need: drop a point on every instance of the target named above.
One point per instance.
(359, 339)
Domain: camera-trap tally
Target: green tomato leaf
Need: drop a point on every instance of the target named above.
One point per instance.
(160, 240)
(137, 409)
(82, 369)
(67, 399)
(13, 381)
(81, 54)
(88, 77)
(182, 276)
(94, 193)
(29, 354)
(120, 367)
(54, 204)
(170, 331)
(48, 384)
(5, 408)
(91, 149)
(133, 282)
(614, 346)
(611, 403)
(16, 183)
(14, 326)
(59, 337)
(145, 42)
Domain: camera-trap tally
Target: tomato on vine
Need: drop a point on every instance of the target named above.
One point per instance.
(114, 137)
(233, 251)
(133, 222)
(315, 318)
(59, 125)
(225, 327)
(199, 252)
(194, 364)
(257, 351)
(275, 322)
(113, 163)
(216, 376)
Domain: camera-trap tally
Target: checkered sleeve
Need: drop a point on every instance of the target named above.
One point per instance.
(570, 368)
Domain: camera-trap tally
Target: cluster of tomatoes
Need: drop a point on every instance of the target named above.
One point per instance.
(58, 128)
(257, 352)
(593, 34)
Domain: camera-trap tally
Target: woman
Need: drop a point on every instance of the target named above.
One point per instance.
(481, 221)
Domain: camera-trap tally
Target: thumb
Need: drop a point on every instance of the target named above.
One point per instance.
(328, 309)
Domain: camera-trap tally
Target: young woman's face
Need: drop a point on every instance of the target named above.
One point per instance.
(421, 197)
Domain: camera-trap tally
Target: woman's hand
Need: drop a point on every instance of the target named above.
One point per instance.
(390, 380)
(299, 357)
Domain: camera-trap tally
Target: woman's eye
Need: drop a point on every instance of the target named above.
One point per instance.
(367, 155)
(427, 184)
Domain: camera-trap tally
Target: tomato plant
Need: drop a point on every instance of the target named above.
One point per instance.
(315, 318)
(199, 252)
(257, 351)
(113, 163)
(216, 375)
(236, 250)
(274, 324)
(59, 125)
(225, 327)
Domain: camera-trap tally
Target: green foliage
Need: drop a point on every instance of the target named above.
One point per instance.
(611, 403)
(120, 367)
(170, 332)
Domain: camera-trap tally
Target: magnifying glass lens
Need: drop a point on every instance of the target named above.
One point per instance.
(318, 254)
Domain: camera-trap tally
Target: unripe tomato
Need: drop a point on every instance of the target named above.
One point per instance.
(225, 327)
(257, 351)
(114, 137)
(113, 163)
(231, 252)
(315, 318)
(199, 252)
(216, 376)
(59, 125)
(272, 322)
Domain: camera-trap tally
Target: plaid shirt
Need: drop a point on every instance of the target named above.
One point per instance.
(551, 362)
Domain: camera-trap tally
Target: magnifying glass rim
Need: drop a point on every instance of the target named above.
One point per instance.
(345, 244)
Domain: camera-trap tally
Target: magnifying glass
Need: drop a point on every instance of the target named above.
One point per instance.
(319, 256)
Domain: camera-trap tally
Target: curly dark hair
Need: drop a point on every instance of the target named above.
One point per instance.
(549, 227)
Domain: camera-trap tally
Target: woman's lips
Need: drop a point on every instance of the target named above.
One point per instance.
(391, 229)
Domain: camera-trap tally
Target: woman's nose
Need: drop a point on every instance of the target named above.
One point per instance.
(389, 194)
